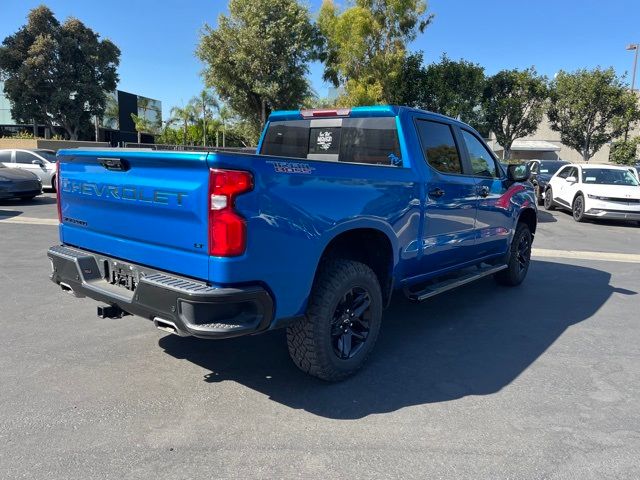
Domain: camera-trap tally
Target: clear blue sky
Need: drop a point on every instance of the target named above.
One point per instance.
(158, 37)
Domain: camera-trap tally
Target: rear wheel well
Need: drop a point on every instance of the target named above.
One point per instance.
(528, 217)
(366, 245)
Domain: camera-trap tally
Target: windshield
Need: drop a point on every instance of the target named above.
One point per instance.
(551, 167)
(608, 176)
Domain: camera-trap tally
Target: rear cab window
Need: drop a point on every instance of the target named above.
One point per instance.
(367, 140)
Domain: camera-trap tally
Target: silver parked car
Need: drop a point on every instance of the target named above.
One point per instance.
(39, 161)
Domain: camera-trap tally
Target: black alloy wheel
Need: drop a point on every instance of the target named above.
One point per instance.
(351, 323)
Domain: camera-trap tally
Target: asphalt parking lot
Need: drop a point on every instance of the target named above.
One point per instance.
(536, 382)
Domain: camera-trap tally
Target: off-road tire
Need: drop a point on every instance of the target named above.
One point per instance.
(516, 272)
(310, 340)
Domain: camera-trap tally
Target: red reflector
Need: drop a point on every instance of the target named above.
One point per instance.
(57, 186)
(340, 112)
(227, 229)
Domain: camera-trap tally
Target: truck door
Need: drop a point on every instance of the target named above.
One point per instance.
(494, 218)
(450, 205)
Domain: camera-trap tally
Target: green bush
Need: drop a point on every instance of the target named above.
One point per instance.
(624, 152)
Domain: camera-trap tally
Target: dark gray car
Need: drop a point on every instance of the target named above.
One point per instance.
(16, 183)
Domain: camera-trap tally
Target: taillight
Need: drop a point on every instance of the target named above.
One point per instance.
(57, 186)
(227, 229)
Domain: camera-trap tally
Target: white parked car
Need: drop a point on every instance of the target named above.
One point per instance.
(39, 161)
(595, 191)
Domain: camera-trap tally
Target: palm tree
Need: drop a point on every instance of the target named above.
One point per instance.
(224, 114)
(141, 125)
(186, 115)
(203, 103)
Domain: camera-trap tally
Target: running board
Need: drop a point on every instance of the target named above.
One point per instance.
(451, 283)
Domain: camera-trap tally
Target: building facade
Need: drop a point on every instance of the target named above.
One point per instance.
(116, 126)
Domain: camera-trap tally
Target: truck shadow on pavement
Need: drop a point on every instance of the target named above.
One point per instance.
(473, 341)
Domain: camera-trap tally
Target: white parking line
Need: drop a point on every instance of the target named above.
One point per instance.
(581, 255)
(29, 220)
(536, 252)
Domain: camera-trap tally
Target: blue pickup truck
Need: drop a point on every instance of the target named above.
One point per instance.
(336, 211)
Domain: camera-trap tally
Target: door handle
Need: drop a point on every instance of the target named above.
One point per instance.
(483, 191)
(436, 192)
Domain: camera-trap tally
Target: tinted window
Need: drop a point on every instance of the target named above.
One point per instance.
(356, 140)
(439, 147)
(287, 139)
(24, 157)
(5, 157)
(482, 162)
(370, 140)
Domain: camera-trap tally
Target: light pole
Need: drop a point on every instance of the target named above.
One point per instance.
(636, 47)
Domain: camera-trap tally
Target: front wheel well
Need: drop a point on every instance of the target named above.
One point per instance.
(366, 245)
(528, 216)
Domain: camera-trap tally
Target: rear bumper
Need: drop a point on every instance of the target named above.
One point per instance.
(613, 214)
(189, 307)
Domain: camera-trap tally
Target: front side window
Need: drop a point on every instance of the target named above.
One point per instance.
(439, 147)
(371, 140)
(482, 162)
(564, 173)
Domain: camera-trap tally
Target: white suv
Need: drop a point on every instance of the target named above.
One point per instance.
(39, 161)
(595, 191)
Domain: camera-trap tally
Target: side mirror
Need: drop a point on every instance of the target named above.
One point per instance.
(572, 179)
(518, 173)
(37, 161)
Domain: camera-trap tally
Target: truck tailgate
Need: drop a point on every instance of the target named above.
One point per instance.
(145, 207)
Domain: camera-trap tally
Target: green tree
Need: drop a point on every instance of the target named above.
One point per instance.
(142, 125)
(257, 57)
(590, 108)
(186, 115)
(625, 152)
(204, 103)
(57, 73)
(365, 46)
(454, 88)
(513, 105)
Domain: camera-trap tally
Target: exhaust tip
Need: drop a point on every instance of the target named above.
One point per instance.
(168, 326)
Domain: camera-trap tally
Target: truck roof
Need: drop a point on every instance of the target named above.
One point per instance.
(358, 112)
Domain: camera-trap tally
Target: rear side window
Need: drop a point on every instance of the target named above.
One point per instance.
(5, 157)
(372, 140)
(439, 147)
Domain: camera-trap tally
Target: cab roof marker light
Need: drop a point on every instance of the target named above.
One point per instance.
(340, 112)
